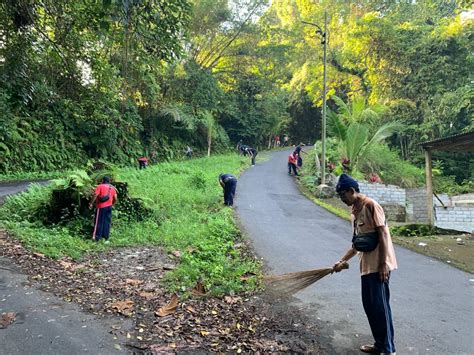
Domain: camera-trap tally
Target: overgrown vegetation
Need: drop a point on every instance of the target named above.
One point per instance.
(420, 230)
(103, 79)
(186, 216)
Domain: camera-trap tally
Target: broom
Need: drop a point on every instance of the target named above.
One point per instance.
(296, 281)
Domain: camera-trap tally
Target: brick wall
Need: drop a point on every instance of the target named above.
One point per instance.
(392, 198)
(384, 194)
(457, 218)
(416, 206)
(410, 205)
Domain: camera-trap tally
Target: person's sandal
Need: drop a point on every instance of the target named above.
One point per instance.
(370, 349)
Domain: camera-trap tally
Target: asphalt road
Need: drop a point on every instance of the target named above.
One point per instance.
(432, 302)
(45, 324)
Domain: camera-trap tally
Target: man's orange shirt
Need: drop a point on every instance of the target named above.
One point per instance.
(367, 216)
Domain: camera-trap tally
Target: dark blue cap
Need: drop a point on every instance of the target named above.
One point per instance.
(345, 182)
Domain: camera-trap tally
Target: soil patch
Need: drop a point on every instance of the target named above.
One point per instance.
(126, 283)
(456, 250)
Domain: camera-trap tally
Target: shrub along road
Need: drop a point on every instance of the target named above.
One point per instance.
(45, 324)
(431, 301)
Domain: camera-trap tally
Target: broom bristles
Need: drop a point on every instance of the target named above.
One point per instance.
(293, 282)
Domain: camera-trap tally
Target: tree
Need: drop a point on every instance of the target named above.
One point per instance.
(352, 126)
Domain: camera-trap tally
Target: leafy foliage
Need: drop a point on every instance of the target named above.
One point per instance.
(115, 80)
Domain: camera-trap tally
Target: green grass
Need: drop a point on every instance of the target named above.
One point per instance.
(305, 190)
(187, 215)
(22, 176)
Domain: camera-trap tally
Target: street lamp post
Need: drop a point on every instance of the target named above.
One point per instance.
(324, 39)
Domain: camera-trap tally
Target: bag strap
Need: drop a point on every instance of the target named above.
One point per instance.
(108, 193)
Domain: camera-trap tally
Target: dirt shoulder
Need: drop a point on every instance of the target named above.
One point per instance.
(125, 283)
(456, 250)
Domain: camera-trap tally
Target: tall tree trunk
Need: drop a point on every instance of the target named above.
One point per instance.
(209, 142)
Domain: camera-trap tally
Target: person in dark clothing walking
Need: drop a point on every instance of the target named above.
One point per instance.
(105, 197)
(229, 184)
(298, 151)
(377, 261)
(292, 160)
(252, 152)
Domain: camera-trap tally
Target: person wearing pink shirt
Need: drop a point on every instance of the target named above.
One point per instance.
(292, 161)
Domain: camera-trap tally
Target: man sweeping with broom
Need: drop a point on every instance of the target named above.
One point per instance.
(371, 238)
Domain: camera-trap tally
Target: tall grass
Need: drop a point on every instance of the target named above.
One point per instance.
(32, 176)
(187, 215)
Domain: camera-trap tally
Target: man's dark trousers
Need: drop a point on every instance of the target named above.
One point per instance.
(102, 223)
(376, 298)
(229, 191)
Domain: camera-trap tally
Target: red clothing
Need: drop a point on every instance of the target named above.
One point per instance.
(102, 190)
(144, 159)
(292, 159)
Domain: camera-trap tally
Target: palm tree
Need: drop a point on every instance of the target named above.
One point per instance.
(355, 126)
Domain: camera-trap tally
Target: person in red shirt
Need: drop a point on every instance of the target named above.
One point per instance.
(292, 160)
(105, 197)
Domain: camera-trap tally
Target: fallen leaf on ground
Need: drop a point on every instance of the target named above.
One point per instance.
(231, 300)
(170, 308)
(133, 282)
(147, 295)
(7, 319)
(191, 309)
(199, 289)
(65, 264)
(39, 255)
(123, 307)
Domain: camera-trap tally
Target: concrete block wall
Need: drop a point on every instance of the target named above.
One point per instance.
(416, 205)
(384, 194)
(456, 218)
(410, 205)
(392, 198)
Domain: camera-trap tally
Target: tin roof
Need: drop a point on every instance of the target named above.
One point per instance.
(462, 142)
